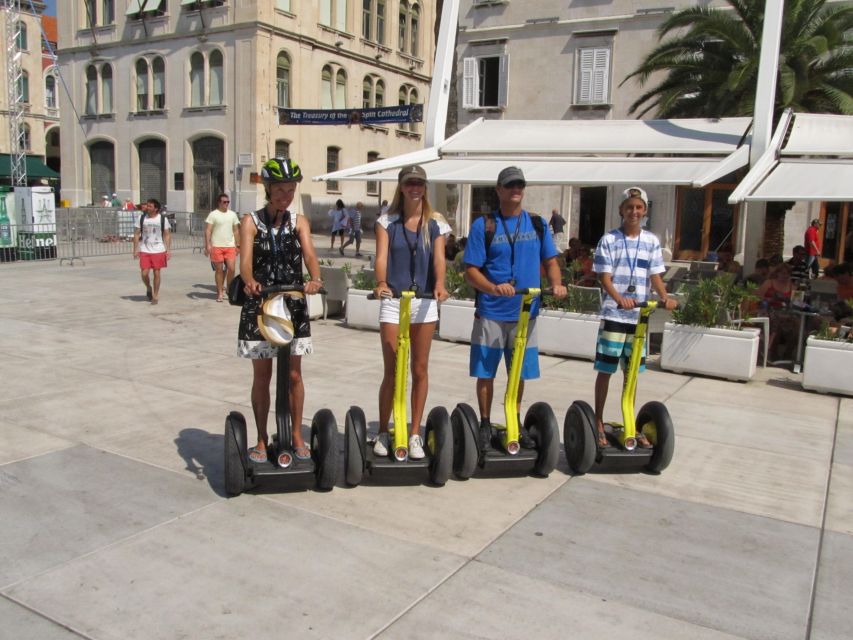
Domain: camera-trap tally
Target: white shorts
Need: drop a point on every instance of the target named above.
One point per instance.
(263, 350)
(423, 310)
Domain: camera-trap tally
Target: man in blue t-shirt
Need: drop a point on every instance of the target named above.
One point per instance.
(511, 260)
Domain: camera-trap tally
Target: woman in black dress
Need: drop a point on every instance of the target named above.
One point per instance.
(274, 242)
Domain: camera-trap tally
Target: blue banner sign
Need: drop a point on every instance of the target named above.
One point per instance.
(374, 115)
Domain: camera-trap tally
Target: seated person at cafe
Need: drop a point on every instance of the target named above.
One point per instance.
(726, 263)
(573, 251)
(762, 269)
(775, 298)
(775, 259)
(799, 268)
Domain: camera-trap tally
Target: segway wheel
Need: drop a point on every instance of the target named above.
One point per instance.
(466, 451)
(579, 437)
(355, 442)
(235, 454)
(542, 425)
(654, 421)
(324, 449)
(439, 437)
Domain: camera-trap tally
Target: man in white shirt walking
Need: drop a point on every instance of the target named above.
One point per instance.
(221, 233)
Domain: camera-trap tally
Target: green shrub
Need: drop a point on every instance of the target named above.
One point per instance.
(715, 302)
(364, 279)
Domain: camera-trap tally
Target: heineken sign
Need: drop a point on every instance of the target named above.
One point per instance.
(374, 115)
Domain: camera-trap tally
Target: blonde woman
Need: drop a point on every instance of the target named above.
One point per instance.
(410, 241)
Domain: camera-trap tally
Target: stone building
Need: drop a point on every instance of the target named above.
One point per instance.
(178, 99)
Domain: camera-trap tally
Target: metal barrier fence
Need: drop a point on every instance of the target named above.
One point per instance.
(89, 232)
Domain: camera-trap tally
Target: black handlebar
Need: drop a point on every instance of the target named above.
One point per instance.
(395, 294)
(284, 288)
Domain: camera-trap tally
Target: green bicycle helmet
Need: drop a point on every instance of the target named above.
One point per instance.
(280, 170)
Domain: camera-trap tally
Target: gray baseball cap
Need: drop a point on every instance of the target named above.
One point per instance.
(510, 174)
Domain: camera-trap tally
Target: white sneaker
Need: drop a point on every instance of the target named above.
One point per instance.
(380, 447)
(416, 448)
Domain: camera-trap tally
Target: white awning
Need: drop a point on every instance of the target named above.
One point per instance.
(574, 171)
(676, 152)
(143, 6)
(810, 158)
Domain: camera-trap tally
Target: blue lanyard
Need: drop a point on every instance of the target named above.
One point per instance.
(631, 265)
(511, 240)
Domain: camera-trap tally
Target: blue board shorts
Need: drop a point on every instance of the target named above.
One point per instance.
(615, 340)
(491, 339)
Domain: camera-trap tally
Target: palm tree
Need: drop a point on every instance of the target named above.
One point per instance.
(711, 64)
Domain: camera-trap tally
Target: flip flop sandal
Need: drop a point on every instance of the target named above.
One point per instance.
(149, 293)
(257, 455)
(305, 450)
(643, 441)
(601, 440)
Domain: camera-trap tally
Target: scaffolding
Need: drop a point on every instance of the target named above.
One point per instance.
(15, 88)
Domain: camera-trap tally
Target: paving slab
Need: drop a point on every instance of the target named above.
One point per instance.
(834, 589)
(839, 505)
(844, 440)
(489, 602)
(783, 486)
(739, 574)
(20, 443)
(22, 624)
(461, 517)
(241, 568)
(72, 502)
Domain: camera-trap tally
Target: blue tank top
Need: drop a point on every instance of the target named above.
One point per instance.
(408, 259)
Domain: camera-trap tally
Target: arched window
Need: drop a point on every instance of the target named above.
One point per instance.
(282, 149)
(333, 13)
(372, 92)
(282, 79)
(414, 28)
(106, 89)
(408, 95)
(196, 79)
(142, 85)
(91, 90)
(108, 13)
(159, 73)
(26, 138)
(379, 100)
(380, 21)
(340, 89)
(404, 25)
(21, 41)
(50, 90)
(333, 159)
(326, 97)
(217, 77)
(24, 87)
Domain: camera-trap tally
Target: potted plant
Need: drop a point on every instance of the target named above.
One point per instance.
(456, 316)
(703, 337)
(361, 312)
(569, 326)
(829, 355)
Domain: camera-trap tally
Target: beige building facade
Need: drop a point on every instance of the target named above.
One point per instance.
(38, 91)
(178, 99)
(547, 59)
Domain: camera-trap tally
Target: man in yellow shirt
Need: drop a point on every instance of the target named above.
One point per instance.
(221, 243)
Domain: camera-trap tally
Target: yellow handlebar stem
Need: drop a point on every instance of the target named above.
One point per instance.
(510, 434)
(401, 432)
(629, 389)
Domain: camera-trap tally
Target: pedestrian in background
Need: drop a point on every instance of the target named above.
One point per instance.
(557, 224)
(354, 230)
(152, 245)
(221, 243)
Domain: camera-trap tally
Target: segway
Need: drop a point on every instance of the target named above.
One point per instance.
(506, 450)
(359, 457)
(579, 433)
(242, 473)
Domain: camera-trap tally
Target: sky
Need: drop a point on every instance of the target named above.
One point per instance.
(51, 7)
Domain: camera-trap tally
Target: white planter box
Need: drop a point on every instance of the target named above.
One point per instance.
(827, 366)
(361, 312)
(456, 317)
(565, 333)
(724, 353)
(315, 306)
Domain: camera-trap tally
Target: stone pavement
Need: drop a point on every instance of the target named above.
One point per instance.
(113, 522)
